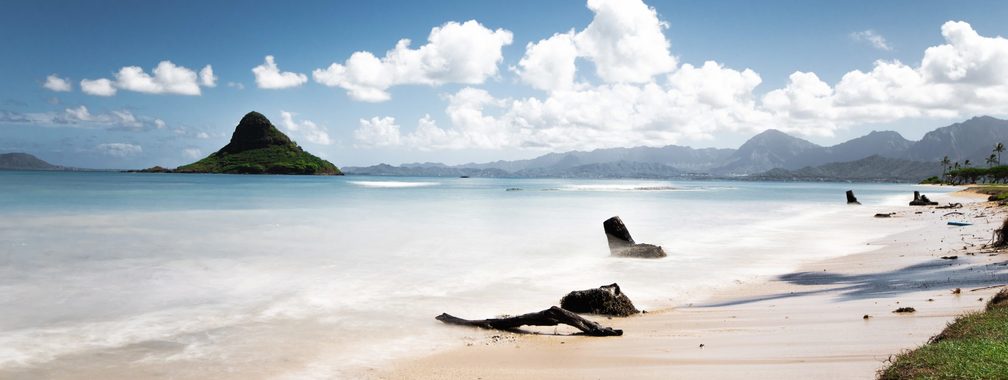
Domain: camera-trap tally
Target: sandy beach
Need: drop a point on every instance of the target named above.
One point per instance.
(806, 324)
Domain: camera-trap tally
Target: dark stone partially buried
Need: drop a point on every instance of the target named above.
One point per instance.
(604, 300)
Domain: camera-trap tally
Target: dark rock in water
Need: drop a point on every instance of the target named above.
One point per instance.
(622, 244)
(921, 200)
(618, 234)
(885, 215)
(604, 300)
(851, 199)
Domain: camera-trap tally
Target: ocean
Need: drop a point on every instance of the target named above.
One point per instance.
(108, 275)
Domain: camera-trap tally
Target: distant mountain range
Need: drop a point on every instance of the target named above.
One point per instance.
(877, 156)
(25, 161)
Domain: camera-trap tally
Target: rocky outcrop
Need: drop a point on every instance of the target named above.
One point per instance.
(604, 300)
(851, 199)
(921, 200)
(623, 245)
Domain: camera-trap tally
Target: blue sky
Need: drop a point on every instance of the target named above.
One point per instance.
(496, 110)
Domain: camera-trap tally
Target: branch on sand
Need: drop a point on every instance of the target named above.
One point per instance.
(549, 317)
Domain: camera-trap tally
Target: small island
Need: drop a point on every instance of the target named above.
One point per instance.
(257, 147)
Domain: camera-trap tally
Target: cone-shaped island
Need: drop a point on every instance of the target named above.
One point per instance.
(258, 147)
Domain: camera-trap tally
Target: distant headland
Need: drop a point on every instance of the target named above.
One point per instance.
(256, 147)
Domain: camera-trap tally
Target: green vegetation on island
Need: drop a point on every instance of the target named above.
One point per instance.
(974, 346)
(258, 147)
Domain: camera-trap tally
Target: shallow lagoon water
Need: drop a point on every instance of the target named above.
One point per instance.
(113, 274)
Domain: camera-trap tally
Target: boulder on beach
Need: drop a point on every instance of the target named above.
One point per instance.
(623, 245)
(604, 300)
(921, 200)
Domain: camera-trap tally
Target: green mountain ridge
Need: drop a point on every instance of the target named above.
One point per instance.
(258, 147)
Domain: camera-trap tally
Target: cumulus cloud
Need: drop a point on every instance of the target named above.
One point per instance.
(964, 76)
(624, 41)
(550, 63)
(269, 76)
(455, 53)
(305, 128)
(207, 77)
(119, 149)
(873, 38)
(55, 83)
(98, 87)
(167, 78)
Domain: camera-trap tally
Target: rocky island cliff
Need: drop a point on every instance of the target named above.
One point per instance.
(258, 147)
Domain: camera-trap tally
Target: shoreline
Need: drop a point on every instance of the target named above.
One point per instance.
(804, 324)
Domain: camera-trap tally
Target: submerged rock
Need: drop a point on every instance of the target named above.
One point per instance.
(623, 245)
(604, 300)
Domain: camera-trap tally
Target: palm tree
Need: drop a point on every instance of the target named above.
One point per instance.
(966, 163)
(946, 163)
(991, 160)
(998, 149)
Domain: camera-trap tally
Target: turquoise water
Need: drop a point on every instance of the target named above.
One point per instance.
(213, 275)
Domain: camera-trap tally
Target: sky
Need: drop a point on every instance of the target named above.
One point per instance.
(126, 84)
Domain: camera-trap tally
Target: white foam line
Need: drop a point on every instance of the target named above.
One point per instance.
(392, 184)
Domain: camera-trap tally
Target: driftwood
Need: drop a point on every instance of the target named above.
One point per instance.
(549, 317)
(851, 199)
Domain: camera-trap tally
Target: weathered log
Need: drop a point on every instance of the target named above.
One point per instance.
(605, 300)
(549, 317)
(851, 199)
(622, 244)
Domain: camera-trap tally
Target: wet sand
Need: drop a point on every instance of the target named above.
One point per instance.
(805, 324)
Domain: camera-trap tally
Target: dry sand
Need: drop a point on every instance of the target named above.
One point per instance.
(805, 325)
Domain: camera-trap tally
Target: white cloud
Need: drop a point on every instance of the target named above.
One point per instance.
(98, 87)
(236, 85)
(550, 64)
(965, 76)
(305, 128)
(455, 53)
(159, 124)
(378, 131)
(192, 153)
(870, 36)
(119, 149)
(202, 135)
(168, 78)
(207, 77)
(626, 42)
(57, 84)
(269, 76)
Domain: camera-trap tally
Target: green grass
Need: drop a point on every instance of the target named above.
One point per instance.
(277, 159)
(996, 192)
(974, 346)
